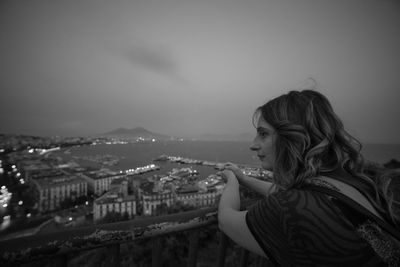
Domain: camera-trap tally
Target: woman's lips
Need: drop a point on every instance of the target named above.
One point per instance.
(261, 157)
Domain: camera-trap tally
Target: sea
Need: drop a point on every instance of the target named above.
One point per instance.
(136, 155)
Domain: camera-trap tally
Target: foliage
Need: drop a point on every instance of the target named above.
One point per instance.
(176, 207)
(114, 217)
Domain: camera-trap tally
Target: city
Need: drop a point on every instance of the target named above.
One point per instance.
(49, 192)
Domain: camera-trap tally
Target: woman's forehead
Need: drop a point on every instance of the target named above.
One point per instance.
(262, 123)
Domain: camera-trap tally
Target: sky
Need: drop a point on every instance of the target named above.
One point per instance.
(185, 68)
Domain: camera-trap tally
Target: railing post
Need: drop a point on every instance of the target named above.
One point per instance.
(114, 253)
(156, 252)
(193, 248)
(223, 242)
(244, 257)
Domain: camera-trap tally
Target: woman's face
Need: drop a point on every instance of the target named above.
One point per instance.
(264, 143)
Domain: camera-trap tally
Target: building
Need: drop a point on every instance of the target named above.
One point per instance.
(53, 190)
(193, 196)
(30, 167)
(99, 180)
(151, 201)
(40, 174)
(115, 200)
(190, 195)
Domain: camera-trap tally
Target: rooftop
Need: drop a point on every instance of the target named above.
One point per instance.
(188, 188)
(101, 174)
(114, 195)
(40, 174)
(59, 180)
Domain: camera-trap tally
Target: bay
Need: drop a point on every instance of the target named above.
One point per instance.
(137, 155)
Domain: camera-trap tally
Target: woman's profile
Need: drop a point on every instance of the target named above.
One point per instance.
(320, 209)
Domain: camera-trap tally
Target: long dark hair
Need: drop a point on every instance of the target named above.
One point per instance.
(310, 140)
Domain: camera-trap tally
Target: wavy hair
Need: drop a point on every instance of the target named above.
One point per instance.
(310, 140)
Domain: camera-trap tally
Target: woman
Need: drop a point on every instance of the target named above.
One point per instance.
(301, 139)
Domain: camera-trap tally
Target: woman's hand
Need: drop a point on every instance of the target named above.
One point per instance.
(236, 170)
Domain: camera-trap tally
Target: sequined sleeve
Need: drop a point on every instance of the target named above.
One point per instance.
(303, 228)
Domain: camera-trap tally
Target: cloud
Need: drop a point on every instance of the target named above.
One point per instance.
(154, 59)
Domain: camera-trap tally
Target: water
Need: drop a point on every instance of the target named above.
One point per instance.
(136, 155)
(381, 153)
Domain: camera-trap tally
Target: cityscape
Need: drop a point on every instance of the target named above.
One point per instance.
(38, 188)
(47, 188)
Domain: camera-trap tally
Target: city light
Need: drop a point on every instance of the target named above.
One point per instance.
(5, 196)
(28, 215)
(20, 202)
(6, 222)
(139, 170)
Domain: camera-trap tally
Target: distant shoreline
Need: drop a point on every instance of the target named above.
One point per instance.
(222, 151)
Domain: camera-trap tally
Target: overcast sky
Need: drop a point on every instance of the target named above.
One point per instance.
(188, 67)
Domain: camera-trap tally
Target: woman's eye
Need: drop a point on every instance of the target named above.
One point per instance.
(263, 134)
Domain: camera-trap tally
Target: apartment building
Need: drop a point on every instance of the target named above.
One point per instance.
(53, 190)
(188, 195)
(151, 200)
(99, 180)
(115, 200)
(193, 196)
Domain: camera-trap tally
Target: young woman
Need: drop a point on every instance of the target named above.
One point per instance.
(301, 139)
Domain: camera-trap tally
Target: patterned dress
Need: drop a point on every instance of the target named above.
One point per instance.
(301, 227)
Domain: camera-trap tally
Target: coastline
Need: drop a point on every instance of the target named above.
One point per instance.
(133, 155)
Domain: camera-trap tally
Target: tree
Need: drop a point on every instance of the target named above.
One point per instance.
(161, 209)
(179, 206)
(111, 217)
(114, 217)
(66, 203)
(81, 200)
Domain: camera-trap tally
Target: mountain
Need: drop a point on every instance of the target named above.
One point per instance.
(135, 133)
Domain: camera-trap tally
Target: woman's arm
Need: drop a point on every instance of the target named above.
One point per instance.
(262, 187)
(231, 220)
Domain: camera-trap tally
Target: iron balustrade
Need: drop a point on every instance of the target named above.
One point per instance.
(59, 247)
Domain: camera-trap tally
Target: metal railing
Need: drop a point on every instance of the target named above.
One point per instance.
(58, 248)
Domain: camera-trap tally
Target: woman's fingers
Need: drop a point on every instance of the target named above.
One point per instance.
(226, 174)
(233, 168)
(230, 164)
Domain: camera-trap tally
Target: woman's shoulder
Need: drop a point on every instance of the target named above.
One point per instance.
(297, 200)
(294, 193)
